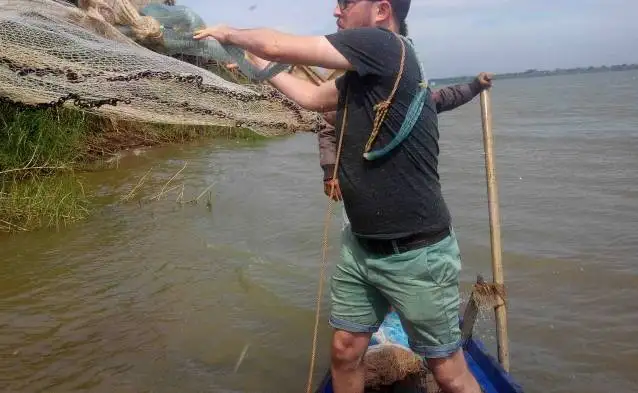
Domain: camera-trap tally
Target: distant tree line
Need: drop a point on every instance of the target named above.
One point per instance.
(77, 2)
(531, 73)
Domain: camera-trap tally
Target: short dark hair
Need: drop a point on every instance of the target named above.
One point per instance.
(401, 8)
(403, 28)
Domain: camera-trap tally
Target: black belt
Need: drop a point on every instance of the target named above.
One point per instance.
(404, 244)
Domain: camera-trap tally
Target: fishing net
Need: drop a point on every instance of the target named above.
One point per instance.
(390, 363)
(109, 58)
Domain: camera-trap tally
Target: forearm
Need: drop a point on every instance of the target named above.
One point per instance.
(286, 48)
(262, 42)
(451, 97)
(266, 45)
(303, 92)
(327, 150)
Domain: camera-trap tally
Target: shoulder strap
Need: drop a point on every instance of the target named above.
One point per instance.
(412, 115)
(408, 41)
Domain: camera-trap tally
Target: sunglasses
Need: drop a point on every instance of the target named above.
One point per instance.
(343, 4)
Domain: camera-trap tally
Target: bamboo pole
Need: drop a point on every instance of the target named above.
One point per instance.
(495, 229)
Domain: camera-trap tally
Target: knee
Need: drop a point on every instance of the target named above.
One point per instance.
(347, 350)
(451, 382)
(452, 374)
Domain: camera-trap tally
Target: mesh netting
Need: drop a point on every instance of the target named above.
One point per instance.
(388, 363)
(389, 366)
(54, 53)
(175, 26)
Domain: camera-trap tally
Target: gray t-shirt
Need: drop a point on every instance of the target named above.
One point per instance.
(397, 195)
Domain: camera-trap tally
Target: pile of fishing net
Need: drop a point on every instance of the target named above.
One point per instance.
(387, 364)
(119, 58)
(390, 364)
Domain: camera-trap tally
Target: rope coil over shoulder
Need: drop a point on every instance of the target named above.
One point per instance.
(412, 115)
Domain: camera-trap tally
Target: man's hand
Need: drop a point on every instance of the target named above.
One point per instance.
(327, 189)
(484, 79)
(219, 32)
(255, 60)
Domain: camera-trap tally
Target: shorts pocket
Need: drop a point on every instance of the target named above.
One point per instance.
(444, 262)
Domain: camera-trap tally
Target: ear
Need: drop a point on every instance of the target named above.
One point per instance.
(384, 11)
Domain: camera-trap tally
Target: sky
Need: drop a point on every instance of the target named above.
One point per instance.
(465, 37)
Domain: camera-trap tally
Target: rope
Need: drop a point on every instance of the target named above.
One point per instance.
(383, 107)
(412, 115)
(324, 249)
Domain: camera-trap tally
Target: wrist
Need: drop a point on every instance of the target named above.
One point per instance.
(476, 87)
(328, 171)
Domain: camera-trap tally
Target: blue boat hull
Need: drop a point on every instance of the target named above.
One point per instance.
(485, 368)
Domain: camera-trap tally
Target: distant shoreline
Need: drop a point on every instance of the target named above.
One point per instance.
(533, 73)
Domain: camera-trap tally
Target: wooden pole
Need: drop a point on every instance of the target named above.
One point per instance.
(470, 314)
(495, 228)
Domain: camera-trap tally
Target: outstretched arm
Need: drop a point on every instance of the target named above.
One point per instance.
(279, 47)
(271, 45)
(451, 97)
(350, 50)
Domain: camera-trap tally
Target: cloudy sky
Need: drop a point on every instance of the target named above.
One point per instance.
(464, 37)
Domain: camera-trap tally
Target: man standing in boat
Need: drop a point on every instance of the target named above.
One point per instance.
(400, 249)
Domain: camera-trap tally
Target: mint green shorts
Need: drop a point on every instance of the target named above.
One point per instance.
(421, 285)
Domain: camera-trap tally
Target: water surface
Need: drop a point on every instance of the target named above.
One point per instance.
(164, 297)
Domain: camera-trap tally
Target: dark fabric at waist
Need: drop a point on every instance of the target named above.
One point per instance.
(397, 246)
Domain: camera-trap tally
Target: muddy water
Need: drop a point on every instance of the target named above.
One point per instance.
(164, 297)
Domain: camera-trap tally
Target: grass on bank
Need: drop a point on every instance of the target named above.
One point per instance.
(41, 150)
(37, 202)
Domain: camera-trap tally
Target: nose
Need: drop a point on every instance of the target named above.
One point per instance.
(337, 11)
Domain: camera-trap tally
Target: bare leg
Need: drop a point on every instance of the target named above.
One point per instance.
(347, 368)
(452, 374)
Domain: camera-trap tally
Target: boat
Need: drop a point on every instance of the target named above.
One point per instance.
(489, 373)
